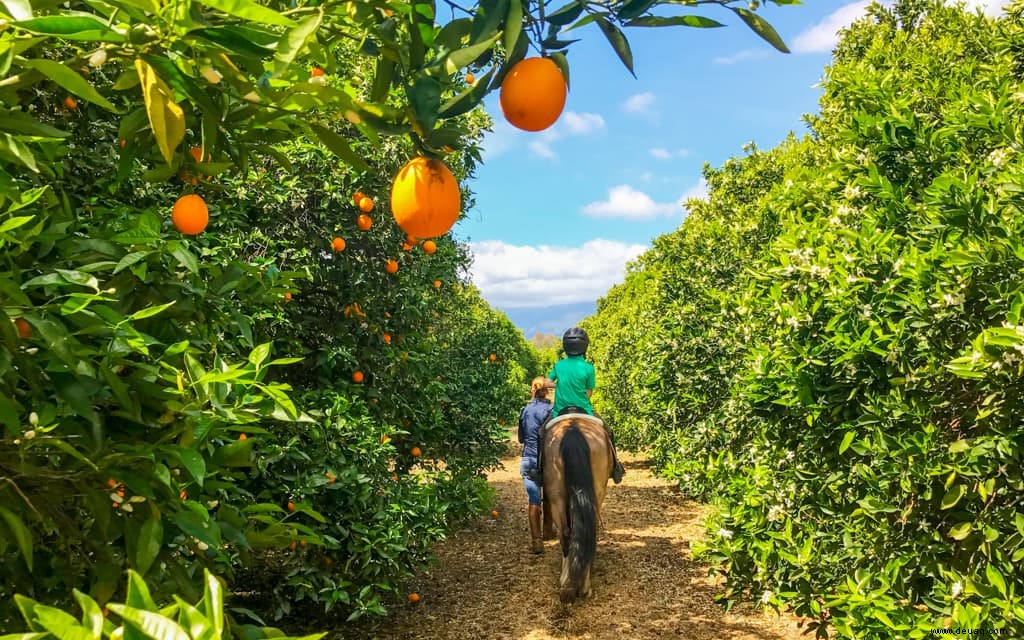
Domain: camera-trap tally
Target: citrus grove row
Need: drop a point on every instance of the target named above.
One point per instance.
(830, 349)
(238, 350)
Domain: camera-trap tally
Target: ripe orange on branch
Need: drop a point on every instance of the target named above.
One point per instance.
(23, 327)
(533, 94)
(357, 377)
(366, 204)
(357, 196)
(190, 215)
(338, 244)
(365, 222)
(429, 247)
(425, 198)
(392, 266)
(415, 452)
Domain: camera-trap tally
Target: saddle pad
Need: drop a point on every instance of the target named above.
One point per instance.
(570, 416)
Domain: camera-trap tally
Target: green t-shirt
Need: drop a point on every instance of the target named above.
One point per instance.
(574, 376)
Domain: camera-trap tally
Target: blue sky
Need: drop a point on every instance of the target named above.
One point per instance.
(559, 213)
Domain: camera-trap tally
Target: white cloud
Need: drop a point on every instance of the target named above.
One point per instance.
(989, 7)
(538, 276)
(822, 37)
(570, 124)
(578, 124)
(626, 202)
(641, 103)
(742, 56)
(666, 154)
(698, 191)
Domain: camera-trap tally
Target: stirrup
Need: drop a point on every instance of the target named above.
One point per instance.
(617, 472)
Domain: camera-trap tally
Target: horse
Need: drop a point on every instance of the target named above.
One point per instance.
(577, 463)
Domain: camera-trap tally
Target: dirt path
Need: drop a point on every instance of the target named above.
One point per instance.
(645, 586)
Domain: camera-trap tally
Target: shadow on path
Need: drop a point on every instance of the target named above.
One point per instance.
(645, 585)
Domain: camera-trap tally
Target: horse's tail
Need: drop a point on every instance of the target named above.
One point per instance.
(582, 516)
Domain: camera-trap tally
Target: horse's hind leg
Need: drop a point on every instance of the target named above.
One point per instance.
(585, 591)
(549, 524)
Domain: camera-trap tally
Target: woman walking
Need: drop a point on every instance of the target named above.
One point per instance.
(531, 419)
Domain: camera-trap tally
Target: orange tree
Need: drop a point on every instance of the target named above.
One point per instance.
(145, 422)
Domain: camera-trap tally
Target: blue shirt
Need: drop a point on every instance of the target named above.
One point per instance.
(531, 419)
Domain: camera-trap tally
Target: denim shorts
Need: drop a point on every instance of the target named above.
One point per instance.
(532, 488)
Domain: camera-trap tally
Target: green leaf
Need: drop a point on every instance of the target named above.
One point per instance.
(237, 453)
(565, 14)
(193, 462)
(92, 616)
(151, 540)
(460, 58)
(847, 441)
(996, 579)
(960, 530)
(761, 27)
(62, 625)
(295, 39)
(513, 24)
(19, 150)
(138, 593)
(234, 40)
(425, 100)
(259, 355)
(674, 21)
(563, 65)
(150, 623)
(213, 602)
(382, 79)
(21, 534)
(953, 496)
(618, 42)
(468, 98)
(149, 312)
(489, 16)
(166, 118)
(633, 8)
(185, 257)
(129, 260)
(19, 122)
(281, 398)
(71, 81)
(72, 26)
(249, 10)
(25, 636)
(339, 146)
(19, 9)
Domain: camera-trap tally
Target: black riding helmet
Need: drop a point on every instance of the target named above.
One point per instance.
(575, 342)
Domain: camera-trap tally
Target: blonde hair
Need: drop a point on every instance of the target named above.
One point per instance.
(538, 387)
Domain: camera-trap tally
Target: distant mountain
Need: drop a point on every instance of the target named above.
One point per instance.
(553, 320)
(543, 340)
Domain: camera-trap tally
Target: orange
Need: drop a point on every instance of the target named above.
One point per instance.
(425, 198)
(429, 247)
(190, 215)
(384, 439)
(411, 239)
(469, 78)
(70, 103)
(415, 452)
(242, 436)
(330, 478)
(366, 204)
(287, 295)
(183, 495)
(357, 196)
(406, 247)
(392, 266)
(123, 143)
(302, 542)
(386, 337)
(414, 597)
(494, 513)
(338, 244)
(196, 153)
(292, 545)
(23, 327)
(437, 284)
(357, 377)
(493, 357)
(291, 506)
(364, 222)
(533, 94)
(316, 71)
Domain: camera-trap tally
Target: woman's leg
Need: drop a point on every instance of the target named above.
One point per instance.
(526, 465)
